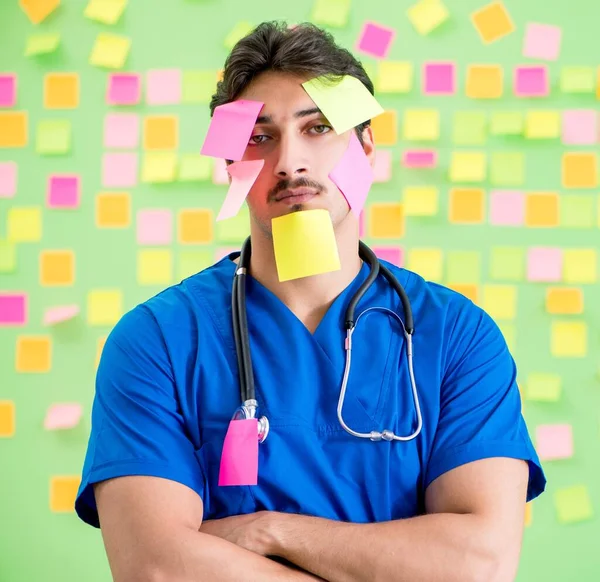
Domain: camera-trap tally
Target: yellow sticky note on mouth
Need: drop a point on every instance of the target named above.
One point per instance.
(304, 244)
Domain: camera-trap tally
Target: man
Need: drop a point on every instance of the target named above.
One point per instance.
(446, 505)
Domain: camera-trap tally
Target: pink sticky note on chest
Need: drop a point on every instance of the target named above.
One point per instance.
(239, 459)
(243, 175)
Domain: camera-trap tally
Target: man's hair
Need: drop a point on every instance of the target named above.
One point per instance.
(305, 50)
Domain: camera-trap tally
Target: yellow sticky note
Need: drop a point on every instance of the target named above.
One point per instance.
(420, 200)
(541, 209)
(63, 492)
(13, 129)
(564, 300)
(468, 167)
(159, 167)
(239, 31)
(573, 504)
(528, 514)
(385, 128)
(57, 268)
(330, 12)
(345, 103)
(543, 387)
(99, 347)
(579, 170)
(154, 266)
(110, 51)
(161, 132)
(427, 15)
(500, 301)
(421, 124)
(507, 123)
(580, 266)
(105, 11)
(542, 124)
(38, 10)
(394, 77)
(426, 262)
(24, 224)
(33, 354)
(492, 22)
(386, 220)
(195, 226)
(467, 206)
(304, 244)
(484, 81)
(7, 418)
(568, 339)
(113, 210)
(61, 91)
(104, 306)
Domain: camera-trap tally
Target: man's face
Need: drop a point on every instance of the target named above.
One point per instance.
(300, 148)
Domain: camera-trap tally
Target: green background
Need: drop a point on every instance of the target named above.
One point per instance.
(37, 545)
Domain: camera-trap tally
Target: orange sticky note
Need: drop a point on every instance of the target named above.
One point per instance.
(161, 132)
(7, 419)
(99, 347)
(467, 205)
(33, 354)
(195, 226)
(485, 81)
(386, 220)
(113, 210)
(528, 514)
(492, 22)
(13, 129)
(579, 170)
(61, 91)
(541, 209)
(63, 492)
(470, 290)
(564, 300)
(385, 128)
(57, 268)
(38, 10)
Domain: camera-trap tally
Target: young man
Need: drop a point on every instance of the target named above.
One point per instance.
(446, 505)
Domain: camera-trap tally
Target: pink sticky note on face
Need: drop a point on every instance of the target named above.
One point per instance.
(8, 90)
(163, 87)
(507, 208)
(119, 170)
(124, 89)
(239, 459)
(382, 170)
(63, 191)
(154, 226)
(544, 264)
(219, 173)
(243, 175)
(419, 159)
(62, 416)
(54, 315)
(230, 129)
(531, 81)
(375, 40)
(580, 127)
(13, 309)
(439, 79)
(353, 175)
(394, 255)
(8, 179)
(121, 130)
(554, 441)
(542, 41)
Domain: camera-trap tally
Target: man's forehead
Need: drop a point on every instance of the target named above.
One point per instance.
(273, 115)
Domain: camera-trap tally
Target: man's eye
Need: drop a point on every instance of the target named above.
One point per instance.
(260, 135)
(322, 128)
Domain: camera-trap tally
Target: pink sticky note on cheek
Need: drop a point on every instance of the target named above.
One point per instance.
(243, 175)
(239, 459)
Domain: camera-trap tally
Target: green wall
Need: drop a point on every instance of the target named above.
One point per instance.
(37, 544)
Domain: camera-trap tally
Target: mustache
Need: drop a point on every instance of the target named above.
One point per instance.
(298, 183)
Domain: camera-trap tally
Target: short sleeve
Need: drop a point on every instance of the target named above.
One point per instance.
(480, 408)
(137, 426)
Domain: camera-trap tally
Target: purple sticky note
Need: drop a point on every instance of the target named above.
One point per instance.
(8, 90)
(580, 127)
(544, 264)
(121, 130)
(439, 78)
(239, 459)
(230, 129)
(375, 40)
(54, 315)
(63, 191)
(394, 255)
(163, 87)
(531, 81)
(554, 441)
(155, 226)
(124, 89)
(382, 170)
(120, 170)
(243, 175)
(419, 159)
(8, 179)
(13, 309)
(62, 416)
(353, 175)
(542, 41)
(507, 208)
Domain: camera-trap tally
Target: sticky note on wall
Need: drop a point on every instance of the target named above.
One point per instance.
(492, 22)
(421, 124)
(531, 81)
(543, 387)
(375, 40)
(13, 129)
(542, 41)
(573, 504)
(484, 81)
(13, 309)
(568, 339)
(8, 90)
(426, 16)
(38, 10)
(554, 441)
(7, 418)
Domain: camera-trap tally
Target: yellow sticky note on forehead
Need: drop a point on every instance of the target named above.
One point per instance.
(304, 244)
(346, 103)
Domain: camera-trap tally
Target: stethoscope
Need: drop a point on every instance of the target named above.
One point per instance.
(249, 408)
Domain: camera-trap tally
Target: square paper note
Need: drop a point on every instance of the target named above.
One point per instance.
(542, 41)
(375, 40)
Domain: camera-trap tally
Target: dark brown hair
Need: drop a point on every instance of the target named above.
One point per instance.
(305, 50)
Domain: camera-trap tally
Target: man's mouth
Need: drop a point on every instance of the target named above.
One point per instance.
(296, 195)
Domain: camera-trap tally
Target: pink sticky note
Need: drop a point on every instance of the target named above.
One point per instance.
(580, 127)
(243, 175)
(382, 170)
(8, 90)
(124, 89)
(8, 179)
(154, 226)
(54, 315)
(507, 208)
(531, 81)
(219, 173)
(62, 416)
(353, 175)
(13, 309)
(419, 159)
(63, 191)
(163, 87)
(542, 41)
(394, 255)
(544, 264)
(239, 459)
(230, 129)
(120, 170)
(439, 78)
(121, 130)
(554, 441)
(375, 40)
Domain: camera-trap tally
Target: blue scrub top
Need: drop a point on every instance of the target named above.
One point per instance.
(167, 387)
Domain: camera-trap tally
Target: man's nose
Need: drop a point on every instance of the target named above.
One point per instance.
(292, 158)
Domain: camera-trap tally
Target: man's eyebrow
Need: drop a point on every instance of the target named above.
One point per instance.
(297, 115)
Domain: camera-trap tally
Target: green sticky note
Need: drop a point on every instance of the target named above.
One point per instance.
(42, 44)
(330, 12)
(509, 333)
(346, 103)
(573, 504)
(234, 230)
(105, 11)
(8, 256)
(469, 128)
(507, 264)
(191, 262)
(159, 167)
(195, 168)
(577, 211)
(198, 86)
(53, 137)
(577, 79)
(542, 387)
(507, 123)
(463, 267)
(239, 31)
(507, 169)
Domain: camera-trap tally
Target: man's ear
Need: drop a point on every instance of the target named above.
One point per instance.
(369, 144)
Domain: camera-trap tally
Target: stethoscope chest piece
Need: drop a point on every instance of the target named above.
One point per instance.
(249, 410)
